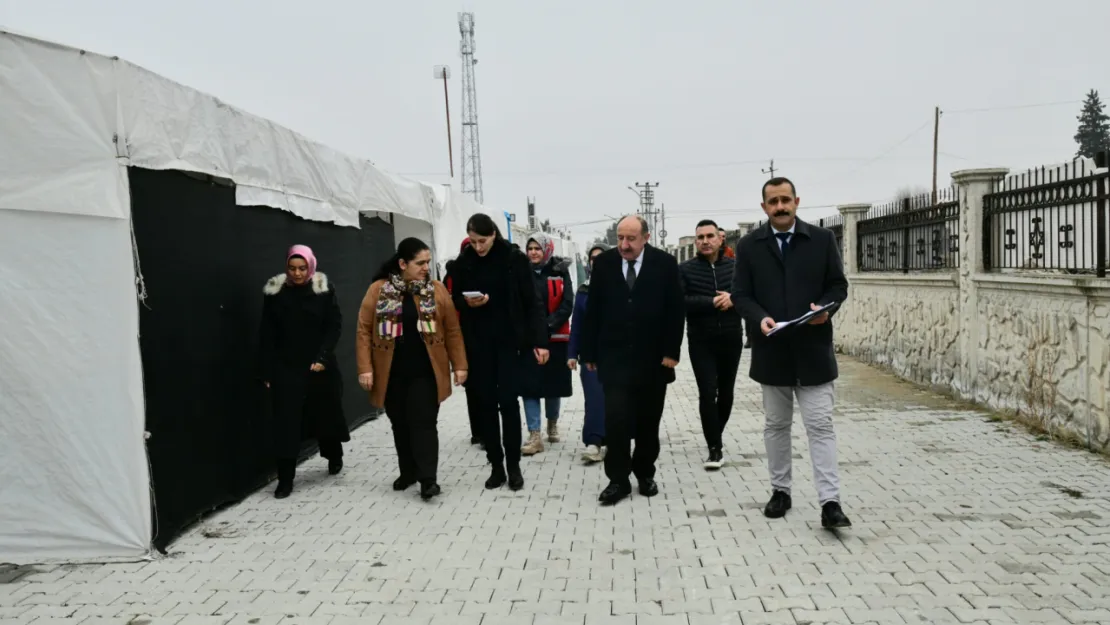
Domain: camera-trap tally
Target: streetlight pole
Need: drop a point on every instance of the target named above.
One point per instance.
(442, 72)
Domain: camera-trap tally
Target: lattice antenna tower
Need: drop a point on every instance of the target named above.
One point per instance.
(471, 148)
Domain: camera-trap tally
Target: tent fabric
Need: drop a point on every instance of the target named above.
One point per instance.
(207, 413)
(73, 119)
(72, 454)
(73, 467)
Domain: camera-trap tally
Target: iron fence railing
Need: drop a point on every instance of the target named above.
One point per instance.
(1050, 219)
(836, 224)
(916, 233)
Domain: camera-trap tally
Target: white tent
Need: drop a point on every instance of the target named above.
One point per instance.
(73, 462)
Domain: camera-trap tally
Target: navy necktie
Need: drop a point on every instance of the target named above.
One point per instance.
(784, 239)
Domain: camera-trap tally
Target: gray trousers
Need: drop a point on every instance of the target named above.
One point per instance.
(816, 404)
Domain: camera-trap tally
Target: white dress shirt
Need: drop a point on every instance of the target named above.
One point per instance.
(638, 264)
(788, 239)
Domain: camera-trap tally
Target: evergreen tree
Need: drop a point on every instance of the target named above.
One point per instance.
(1093, 135)
(610, 237)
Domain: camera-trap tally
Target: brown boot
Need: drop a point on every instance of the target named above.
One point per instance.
(552, 431)
(533, 446)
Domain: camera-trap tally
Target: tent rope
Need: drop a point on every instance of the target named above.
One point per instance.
(140, 283)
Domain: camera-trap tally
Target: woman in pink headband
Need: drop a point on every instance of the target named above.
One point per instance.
(301, 324)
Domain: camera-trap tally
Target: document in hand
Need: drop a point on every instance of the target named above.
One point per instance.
(782, 325)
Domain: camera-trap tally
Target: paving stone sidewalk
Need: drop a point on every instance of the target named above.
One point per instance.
(958, 519)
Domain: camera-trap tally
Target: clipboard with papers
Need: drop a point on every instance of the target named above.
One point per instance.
(782, 325)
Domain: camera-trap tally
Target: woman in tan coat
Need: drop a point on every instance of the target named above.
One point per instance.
(408, 342)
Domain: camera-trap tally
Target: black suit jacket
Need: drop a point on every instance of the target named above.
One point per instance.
(764, 286)
(628, 333)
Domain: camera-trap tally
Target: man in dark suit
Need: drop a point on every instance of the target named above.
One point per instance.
(632, 336)
(785, 269)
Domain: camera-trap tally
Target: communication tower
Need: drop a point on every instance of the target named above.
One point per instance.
(472, 153)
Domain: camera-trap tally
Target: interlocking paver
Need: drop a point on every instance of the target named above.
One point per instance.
(958, 519)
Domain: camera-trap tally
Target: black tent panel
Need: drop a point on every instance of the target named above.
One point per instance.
(203, 262)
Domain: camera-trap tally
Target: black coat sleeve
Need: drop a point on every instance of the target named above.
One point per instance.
(267, 339)
(532, 305)
(836, 284)
(743, 295)
(694, 303)
(333, 327)
(674, 316)
(566, 307)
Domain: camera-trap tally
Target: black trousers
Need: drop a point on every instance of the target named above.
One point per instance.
(412, 406)
(473, 414)
(329, 450)
(633, 411)
(492, 390)
(715, 361)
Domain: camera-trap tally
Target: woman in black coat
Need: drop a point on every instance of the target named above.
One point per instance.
(503, 327)
(300, 328)
(549, 382)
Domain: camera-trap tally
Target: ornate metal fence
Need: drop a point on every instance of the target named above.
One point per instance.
(1050, 219)
(912, 234)
(836, 224)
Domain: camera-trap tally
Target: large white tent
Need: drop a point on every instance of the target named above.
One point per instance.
(73, 463)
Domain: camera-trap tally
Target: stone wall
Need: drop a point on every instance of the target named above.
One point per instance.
(907, 324)
(1032, 343)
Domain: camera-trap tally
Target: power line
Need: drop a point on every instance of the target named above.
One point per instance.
(663, 168)
(1014, 107)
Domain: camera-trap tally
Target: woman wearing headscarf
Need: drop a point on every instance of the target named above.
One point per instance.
(471, 404)
(550, 383)
(408, 342)
(593, 426)
(300, 328)
(503, 327)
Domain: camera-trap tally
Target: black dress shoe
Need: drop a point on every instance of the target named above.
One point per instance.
(475, 440)
(334, 467)
(516, 478)
(613, 493)
(403, 482)
(427, 491)
(778, 505)
(648, 488)
(284, 489)
(833, 517)
(496, 479)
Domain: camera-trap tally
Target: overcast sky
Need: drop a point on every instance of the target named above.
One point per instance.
(578, 100)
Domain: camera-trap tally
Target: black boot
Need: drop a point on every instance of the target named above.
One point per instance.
(497, 478)
(429, 489)
(516, 479)
(286, 469)
(335, 466)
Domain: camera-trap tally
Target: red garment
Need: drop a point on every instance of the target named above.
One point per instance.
(728, 253)
(555, 288)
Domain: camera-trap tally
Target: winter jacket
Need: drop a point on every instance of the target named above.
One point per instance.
(374, 354)
(701, 280)
(557, 292)
(526, 313)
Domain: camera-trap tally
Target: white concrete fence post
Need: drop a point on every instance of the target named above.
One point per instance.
(972, 185)
(852, 214)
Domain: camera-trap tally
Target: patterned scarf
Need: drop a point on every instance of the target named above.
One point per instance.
(390, 304)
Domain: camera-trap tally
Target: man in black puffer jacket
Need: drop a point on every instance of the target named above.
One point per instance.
(716, 337)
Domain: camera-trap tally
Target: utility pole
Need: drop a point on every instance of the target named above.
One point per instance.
(771, 170)
(444, 72)
(532, 214)
(646, 191)
(936, 143)
(662, 225)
